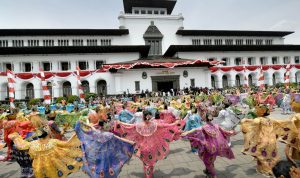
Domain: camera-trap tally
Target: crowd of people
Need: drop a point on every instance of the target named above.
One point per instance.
(107, 132)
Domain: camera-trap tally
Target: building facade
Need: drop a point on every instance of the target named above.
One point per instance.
(148, 33)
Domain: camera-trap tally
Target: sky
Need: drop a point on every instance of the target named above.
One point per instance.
(281, 15)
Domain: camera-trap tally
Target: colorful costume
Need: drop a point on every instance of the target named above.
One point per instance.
(52, 159)
(260, 140)
(167, 116)
(227, 119)
(104, 154)
(192, 122)
(152, 141)
(286, 104)
(211, 141)
(125, 116)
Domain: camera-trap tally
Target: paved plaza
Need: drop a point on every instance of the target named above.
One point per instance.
(180, 163)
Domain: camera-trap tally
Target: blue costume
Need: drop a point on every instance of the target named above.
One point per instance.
(125, 116)
(41, 109)
(104, 154)
(70, 108)
(192, 122)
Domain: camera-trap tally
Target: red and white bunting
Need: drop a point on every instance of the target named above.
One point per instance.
(287, 75)
(11, 88)
(80, 88)
(261, 79)
(46, 92)
(245, 78)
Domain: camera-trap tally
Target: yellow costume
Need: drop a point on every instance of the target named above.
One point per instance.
(54, 158)
(260, 140)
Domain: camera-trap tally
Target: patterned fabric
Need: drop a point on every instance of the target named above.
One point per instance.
(67, 119)
(194, 121)
(152, 140)
(227, 119)
(167, 116)
(125, 116)
(260, 140)
(211, 142)
(104, 154)
(55, 158)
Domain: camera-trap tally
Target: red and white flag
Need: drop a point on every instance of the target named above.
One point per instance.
(11, 88)
(245, 78)
(80, 88)
(287, 75)
(261, 79)
(46, 92)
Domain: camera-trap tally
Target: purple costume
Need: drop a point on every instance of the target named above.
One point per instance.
(211, 141)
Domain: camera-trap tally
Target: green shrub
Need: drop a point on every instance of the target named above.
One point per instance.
(59, 99)
(72, 98)
(34, 101)
(88, 95)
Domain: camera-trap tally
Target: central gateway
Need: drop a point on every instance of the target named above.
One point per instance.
(165, 83)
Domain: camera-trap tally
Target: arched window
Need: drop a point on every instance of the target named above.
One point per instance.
(237, 80)
(250, 80)
(101, 88)
(67, 89)
(29, 91)
(274, 79)
(225, 81)
(86, 86)
(213, 82)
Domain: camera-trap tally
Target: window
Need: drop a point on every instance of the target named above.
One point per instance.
(18, 43)
(196, 42)
(239, 42)
(99, 64)
(46, 66)
(27, 67)
(77, 42)
(192, 82)
(92, 42)
(83, 65)
(269, 42)
(162, 12)
(155, 47)
(3, 43)
(136, 11)
(251, 61)
(65, 66)
(286, 60)
(207, 41)
(263, 60)
(63, 42)
(156, 12)
(274, 60)
(7, 66)
(137, 85)
(143, 12)
(238, 61)
(259, 42)
(225, 60)
(48, 42)
(149, 12)
(105, 42)
(33, 42)
(249, 42)
(297, 59)
(229, 42)
(218, 41)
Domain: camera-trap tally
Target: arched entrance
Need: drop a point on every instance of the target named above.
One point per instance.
(225, 81)
(101, 88)
(29, 91)
(86, 86)
(297, 77)
(4, 91)
(275, 78)
(213, 81)
(250, 80)
(67, 89)
(237, 80)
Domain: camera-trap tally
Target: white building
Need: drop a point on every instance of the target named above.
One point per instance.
(148, 32)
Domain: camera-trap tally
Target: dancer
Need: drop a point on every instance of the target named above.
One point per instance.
(286, 104)
(211, 141)
(152, 139)
(104, 153)
(192, 121)
(125, 115)
(167, 116)
(51, 158)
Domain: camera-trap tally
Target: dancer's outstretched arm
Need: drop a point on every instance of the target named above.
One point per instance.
(188, 132)
(125, 140)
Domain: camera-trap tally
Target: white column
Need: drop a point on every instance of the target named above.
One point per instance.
(118, 84)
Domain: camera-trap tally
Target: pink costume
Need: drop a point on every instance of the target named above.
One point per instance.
(167, 116)
(211, 141)
(152, 141)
